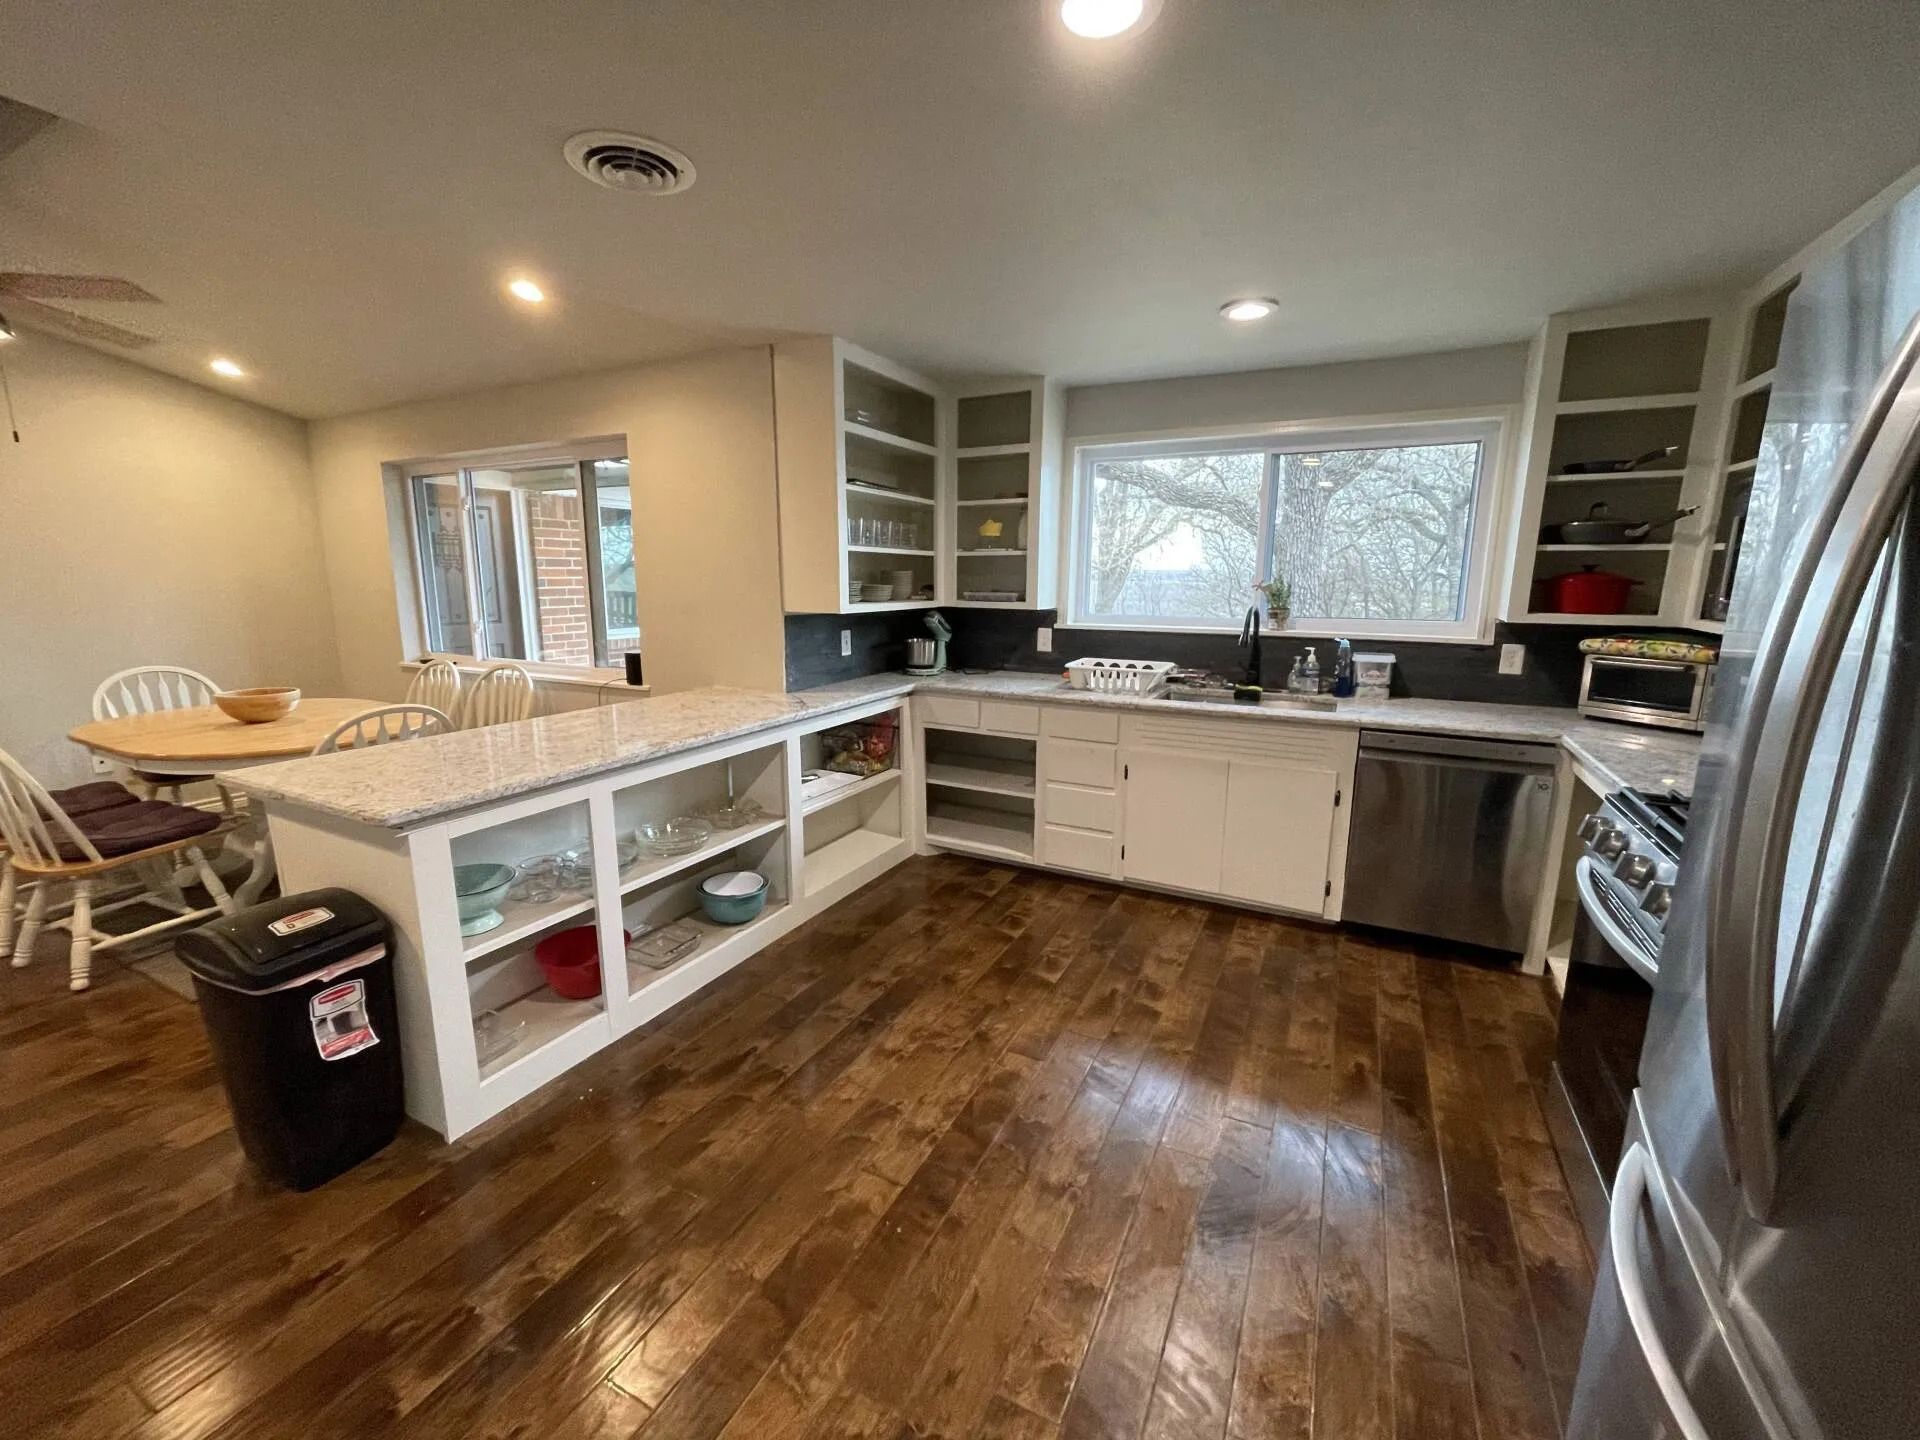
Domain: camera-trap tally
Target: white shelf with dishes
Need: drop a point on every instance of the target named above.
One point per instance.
(862, 447)
(1622, 408)
(1005, 482)
(853, 825)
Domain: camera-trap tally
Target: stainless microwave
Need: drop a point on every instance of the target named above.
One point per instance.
(1640, 691)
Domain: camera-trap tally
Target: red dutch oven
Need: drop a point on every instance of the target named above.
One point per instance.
(1589, 591)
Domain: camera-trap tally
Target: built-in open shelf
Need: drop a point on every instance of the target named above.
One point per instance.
(887, 441)
(985, 773)
(882, 493)
(982, 554)
(650, 869)
(973, 827)
(1651, 546)
(1003, 500)
(548, 1017)
(847, 792)
(1627, 402)
(858, 606)
(884, 550)
(523, 922)
(839, 858)
(715, 940)
(1615, 477)
(989, 452)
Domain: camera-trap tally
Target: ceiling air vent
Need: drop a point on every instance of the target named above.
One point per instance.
(629, 162)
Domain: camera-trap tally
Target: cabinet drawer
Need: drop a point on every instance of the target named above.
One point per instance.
(1081, 762)
(1077, 850)
(1082, 809)
(1073, 722)
(948, 710)
(1009, 719)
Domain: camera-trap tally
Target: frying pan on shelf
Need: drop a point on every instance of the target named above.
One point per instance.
(1600, 528)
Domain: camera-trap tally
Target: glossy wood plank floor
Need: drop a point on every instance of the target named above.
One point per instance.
(979, 1152)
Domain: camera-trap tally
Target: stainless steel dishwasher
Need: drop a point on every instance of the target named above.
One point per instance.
(1449, 837)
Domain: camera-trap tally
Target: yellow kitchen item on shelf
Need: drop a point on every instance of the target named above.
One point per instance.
(991, 529)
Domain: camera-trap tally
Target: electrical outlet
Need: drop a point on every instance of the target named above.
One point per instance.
(1513, 659)
(100, 763)
(846, 642)
(1043, 639)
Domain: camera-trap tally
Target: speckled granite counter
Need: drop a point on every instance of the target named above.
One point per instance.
(399, 786)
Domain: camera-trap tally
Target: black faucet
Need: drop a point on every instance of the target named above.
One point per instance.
(1247, 692)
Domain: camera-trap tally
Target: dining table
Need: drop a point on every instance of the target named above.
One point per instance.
(199, 741)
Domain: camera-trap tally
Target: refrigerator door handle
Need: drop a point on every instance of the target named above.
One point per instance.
(1792, 677)
(1630, 1187)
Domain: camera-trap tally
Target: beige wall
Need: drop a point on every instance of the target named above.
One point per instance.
(144, 520)
(699, 433)
(1453, 380)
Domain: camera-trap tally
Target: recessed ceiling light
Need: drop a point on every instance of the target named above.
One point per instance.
(6, 330)
(1245, 312)
(522, 288)
(220, 365)
(1101, 19)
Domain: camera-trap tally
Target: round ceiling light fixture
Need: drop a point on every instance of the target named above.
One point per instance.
(521, 288)
(221, 365)
(1245, 312)
(1104, 19)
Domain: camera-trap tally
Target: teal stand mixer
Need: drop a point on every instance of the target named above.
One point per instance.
(929, 657)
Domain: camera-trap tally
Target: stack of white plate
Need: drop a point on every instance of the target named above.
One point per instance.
(875, 593)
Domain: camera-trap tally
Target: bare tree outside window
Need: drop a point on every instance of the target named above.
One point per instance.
(1379, 533)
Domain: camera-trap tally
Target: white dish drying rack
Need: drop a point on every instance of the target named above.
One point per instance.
(1119, 677)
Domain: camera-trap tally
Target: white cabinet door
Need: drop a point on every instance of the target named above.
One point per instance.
(1175, 820)
(1278, 834)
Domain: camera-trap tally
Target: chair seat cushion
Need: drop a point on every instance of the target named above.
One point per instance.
(91, 798)
(140, 826)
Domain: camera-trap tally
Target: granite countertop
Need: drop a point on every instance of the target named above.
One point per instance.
(399, 786)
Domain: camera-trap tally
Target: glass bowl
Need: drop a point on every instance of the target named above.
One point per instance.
(681, 835)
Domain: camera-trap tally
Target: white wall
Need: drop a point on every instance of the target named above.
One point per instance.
(699, 434)
(144, 520)
(1493, 375)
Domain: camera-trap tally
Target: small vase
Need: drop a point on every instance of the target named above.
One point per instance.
(1277, 621)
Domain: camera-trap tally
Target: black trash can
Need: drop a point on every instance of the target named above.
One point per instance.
(297, 996)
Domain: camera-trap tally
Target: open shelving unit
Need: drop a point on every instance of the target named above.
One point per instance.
(852, 833)
(1006, 436)
(980, 792)
(1613, 386)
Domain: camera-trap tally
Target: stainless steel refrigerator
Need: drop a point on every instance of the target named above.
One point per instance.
(1762, 1271)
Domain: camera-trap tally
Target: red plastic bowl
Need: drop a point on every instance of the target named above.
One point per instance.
(570, 959)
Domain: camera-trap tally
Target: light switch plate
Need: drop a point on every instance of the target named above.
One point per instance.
(846, 642)
(1513, 659)
(1043, 639)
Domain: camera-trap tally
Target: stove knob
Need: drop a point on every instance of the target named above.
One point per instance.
(1592, 826)
(1657, 901)
(1635, 870)
(1609, 842)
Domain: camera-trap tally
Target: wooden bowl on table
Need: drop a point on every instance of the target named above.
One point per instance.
(258, 705)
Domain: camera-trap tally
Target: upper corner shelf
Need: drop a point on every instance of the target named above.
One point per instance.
(869, 491)
(1608, 477)
(855, 430)
(1628, 402)
(990, 452)
(1754, 384)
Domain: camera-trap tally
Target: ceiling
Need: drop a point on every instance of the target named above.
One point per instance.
(332, 193)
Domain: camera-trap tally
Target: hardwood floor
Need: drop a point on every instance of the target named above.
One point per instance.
(980, 1152)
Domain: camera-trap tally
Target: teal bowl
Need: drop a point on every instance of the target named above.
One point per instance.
(733, 898)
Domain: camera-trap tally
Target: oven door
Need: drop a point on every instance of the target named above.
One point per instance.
(1670, 693)
(1603, 1024)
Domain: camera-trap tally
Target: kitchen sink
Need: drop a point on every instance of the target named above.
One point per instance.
(1271, 700)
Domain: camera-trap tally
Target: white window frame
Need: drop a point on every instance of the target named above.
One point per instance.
(1489, 428)
(581, 454)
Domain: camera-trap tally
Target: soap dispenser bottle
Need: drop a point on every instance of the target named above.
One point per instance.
(1310, 672)
(1343, 669)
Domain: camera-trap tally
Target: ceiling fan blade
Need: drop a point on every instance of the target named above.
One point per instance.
(36, 316)
(31, 286)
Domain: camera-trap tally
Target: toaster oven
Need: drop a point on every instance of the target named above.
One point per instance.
(1643, 691)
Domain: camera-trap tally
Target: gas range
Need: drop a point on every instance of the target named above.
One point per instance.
(1633, 844)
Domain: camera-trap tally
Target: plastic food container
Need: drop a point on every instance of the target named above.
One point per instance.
(1372, 674)
(733, 898)
(570, 959)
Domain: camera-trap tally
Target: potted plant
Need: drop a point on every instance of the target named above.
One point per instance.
(1279, 598)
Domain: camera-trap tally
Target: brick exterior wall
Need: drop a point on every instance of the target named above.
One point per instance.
(563, 622)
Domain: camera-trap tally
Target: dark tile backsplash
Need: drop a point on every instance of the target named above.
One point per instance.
(1003, 640)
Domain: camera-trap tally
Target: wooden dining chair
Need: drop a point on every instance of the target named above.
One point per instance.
(146, 690)
(503, 693)
(48, 847)
(437, 684)
(386, 725)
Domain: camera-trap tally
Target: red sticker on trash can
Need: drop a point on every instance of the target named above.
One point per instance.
(340, 1024)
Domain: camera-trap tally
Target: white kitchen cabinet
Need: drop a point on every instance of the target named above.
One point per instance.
(1252, 812)
(1176, 808)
